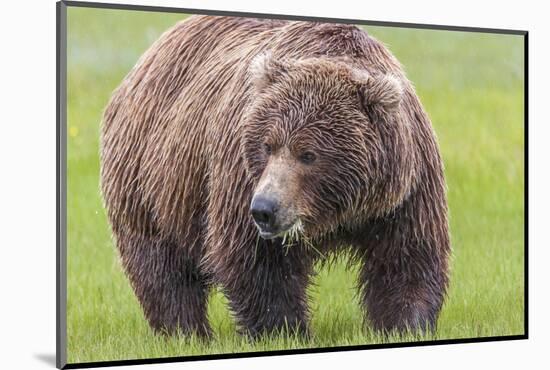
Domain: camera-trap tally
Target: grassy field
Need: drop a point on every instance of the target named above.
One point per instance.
(472, 87)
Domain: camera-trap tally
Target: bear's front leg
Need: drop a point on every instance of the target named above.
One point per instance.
(403, 282)
(266, 287)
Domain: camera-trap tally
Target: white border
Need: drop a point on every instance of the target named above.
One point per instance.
(27, 241)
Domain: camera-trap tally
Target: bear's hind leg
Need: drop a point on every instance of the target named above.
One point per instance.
(169, 284)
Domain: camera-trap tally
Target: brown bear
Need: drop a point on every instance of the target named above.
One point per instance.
(239, 151)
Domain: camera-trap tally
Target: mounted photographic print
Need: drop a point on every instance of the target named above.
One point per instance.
(238, 184)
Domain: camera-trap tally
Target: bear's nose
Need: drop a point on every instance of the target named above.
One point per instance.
(263, 211)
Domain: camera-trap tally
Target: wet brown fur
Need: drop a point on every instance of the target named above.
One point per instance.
(181, 156)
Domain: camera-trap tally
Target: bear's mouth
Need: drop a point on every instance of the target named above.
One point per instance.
(266, 234)
(290, 232)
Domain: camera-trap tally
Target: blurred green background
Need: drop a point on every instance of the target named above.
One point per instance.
(471, 85)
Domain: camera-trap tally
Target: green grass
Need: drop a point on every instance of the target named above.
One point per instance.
(472, 87)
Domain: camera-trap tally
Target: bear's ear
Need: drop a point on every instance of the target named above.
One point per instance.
(264, 70)
(380, 94)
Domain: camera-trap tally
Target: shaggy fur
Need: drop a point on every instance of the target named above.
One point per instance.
(217, 104)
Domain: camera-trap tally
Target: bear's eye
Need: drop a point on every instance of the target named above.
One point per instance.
(308, 157)
(267, 149)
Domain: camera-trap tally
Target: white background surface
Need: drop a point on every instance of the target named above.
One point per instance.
(27, 207)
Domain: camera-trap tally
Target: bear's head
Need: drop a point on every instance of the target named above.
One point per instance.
(325, 143)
